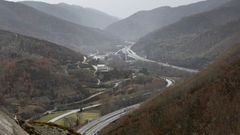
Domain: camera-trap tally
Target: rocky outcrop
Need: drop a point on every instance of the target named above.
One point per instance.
(9, 127)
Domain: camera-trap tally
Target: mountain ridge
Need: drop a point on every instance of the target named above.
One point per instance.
(143, 22)
(206, 103)
(40, 72)
(74, 13)
(188, 42)
(19, 18)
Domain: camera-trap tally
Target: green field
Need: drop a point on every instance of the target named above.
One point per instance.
(51, 116)
(83, 117)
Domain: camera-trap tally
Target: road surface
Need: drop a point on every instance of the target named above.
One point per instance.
(96, 69)
(72, 112)
(130, 53)
(98, 82)
(95, 126)
(95, 74)
(84, 60)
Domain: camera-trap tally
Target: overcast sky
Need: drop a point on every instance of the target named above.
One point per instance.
(122, 8)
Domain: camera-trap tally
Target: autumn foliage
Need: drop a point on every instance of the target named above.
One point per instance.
(34, 75)
(206, 104)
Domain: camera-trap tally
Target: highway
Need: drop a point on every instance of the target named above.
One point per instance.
(130, 53)
(95, 126)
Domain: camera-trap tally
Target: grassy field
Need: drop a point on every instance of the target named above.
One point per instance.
(83, 117)
(51, 116)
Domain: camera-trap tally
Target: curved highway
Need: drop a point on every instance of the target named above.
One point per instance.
(97, 125)
(130, 53)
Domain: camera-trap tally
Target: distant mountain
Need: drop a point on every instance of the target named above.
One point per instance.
(36, 75)
(143, 22)
(208, 103)
(75, 14)
(17, 17)
(196, 40)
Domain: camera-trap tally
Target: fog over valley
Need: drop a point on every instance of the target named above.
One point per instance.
(122, 8)
(119, 67)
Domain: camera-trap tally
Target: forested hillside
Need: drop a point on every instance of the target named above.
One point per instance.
(76, 14)
(141, 23)
(35, 77)
(207, 103)
(19, 18)
(194, 41)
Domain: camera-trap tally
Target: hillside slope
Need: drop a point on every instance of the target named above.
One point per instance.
(73, 13)
(207, 103)
(141, 23)
(8, 126)
(19, 18)
(196, 40)
(34, 75)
